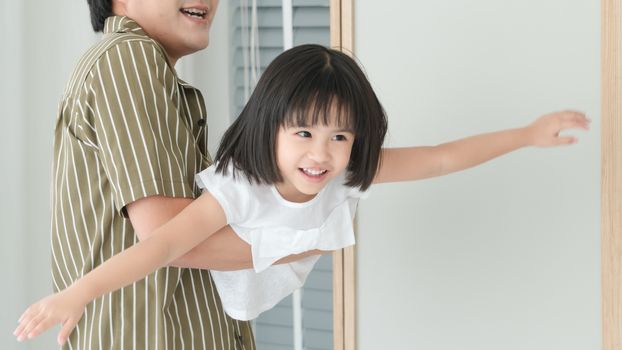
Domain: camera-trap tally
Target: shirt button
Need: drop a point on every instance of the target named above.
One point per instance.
(202, 122)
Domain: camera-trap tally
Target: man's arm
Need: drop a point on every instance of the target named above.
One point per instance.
(223, 251)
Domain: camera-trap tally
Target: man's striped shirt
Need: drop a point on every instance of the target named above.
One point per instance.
(128, 128)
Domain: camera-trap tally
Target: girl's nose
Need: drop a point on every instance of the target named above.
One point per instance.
(319, 152)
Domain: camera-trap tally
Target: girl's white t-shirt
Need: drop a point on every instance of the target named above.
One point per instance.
(276, 228)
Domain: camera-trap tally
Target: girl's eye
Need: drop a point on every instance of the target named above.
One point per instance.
(340, 138)
(304, 134)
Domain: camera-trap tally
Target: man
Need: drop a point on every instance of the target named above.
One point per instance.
(129, 139)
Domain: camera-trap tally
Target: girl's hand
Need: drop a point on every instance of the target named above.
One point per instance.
(544, 131)
(62, 307)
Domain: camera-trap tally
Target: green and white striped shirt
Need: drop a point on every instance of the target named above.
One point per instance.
(128, 128)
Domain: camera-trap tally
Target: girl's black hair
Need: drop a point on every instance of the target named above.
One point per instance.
(302, 86)
(100, 10)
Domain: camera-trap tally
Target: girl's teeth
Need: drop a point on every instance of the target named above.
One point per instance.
(313, 172)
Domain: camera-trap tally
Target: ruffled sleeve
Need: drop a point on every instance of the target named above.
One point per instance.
(230, 192)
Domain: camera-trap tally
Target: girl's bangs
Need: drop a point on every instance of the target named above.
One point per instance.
(325, 103)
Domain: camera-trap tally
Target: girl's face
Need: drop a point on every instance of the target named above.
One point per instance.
(309, 157)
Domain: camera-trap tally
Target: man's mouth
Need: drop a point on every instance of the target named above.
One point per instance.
(194, 12)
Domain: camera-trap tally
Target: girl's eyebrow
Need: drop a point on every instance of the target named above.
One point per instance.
(343, 129)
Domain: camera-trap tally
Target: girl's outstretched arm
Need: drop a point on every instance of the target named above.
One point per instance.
(190, 227)
(413, 163)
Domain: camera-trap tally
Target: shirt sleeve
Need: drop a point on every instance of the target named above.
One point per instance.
(145, 147)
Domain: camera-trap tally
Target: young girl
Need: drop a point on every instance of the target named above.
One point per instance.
(288, 175)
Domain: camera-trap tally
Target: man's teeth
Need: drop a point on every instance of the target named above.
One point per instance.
(194, 12)
(313, 172)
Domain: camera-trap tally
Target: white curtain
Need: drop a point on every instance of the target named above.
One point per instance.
(250, 45)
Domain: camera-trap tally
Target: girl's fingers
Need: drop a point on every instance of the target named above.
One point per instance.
(22, 322)
(573, 114)
(20, 331)
(65, 331)
(19, 320)
(44, 325)
(573, 124)
(30, 311)
(572, 117)
(31, 325)
(582, 119)
(566, 140)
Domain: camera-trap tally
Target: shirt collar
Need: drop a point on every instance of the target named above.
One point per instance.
(122, 24)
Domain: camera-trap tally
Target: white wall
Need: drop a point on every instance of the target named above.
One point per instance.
(13, 242)
(506, 255)
(41, 43)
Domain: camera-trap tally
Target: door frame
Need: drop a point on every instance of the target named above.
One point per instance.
(344, 286)
(611, 173)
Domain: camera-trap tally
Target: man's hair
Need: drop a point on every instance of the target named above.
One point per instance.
(306, 85)
(100, 10)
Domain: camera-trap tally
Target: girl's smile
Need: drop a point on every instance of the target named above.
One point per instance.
(314, 174)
